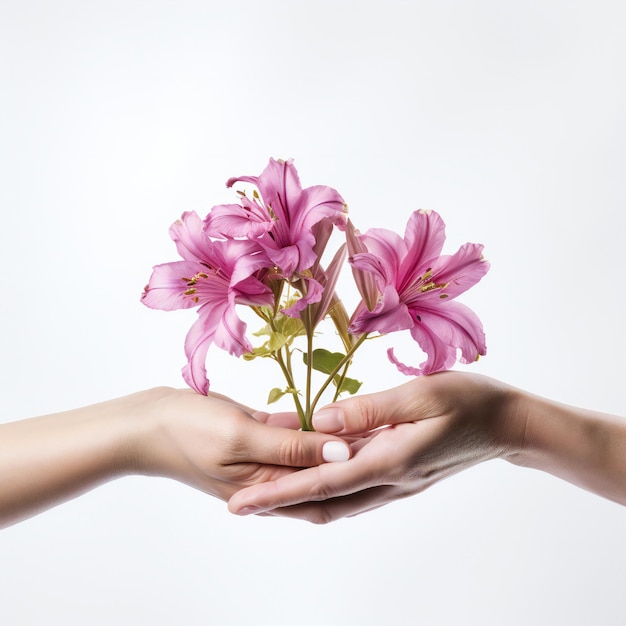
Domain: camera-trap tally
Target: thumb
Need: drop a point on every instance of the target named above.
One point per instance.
(275, 445)
(364, 413)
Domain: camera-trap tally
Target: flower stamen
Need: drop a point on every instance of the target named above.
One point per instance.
(194, 279)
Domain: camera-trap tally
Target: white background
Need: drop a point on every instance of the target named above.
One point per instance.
(506, 117)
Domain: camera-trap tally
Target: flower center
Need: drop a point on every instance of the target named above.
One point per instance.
(192, 284)
(424, 284)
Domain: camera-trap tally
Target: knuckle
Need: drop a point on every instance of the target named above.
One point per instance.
(322, 491)
(364, 413)
(233, 435)
(292, 452)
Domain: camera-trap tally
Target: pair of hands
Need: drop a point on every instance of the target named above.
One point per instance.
(392, 444)
(384, 446)
(400, 442)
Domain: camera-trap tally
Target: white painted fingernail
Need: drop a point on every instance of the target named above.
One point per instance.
(334, 451)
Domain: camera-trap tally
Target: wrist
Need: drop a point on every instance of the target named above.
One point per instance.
(119, 429)
(583, 447)
(141, 445)
(542, 428)
(510, 422)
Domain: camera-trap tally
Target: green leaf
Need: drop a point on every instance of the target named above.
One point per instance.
(277, 341)
(326, 362)
(323, 360)
(291, 326)
(262, 351)
(266, 330)
(275, 395)
(349, 384)
(287, 328)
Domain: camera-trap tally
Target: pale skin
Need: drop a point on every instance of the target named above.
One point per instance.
(406, 439)
(210, 443)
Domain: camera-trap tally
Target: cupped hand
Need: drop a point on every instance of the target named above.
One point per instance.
(218, 445)
(403, 440)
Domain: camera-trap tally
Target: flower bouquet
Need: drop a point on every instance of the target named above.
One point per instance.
(265, 252)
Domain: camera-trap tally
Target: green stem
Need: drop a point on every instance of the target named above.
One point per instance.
(309, 371)
(286, 368)
(346, 359)
(287, 372)
(340, 382)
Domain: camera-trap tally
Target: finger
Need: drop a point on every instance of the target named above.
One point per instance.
(361, 414)
(285, 419)
(319, 483)
(338, 508)
(273, 445)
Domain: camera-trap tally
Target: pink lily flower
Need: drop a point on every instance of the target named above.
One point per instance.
(415, 288)
(281, 216)
(213, 276)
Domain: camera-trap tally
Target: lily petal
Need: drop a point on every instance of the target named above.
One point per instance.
(314, 292)
(167, 286)
(187, 233)
(197, 343)
(280, 188)
(390, 315)
(230, 333)
(440, 333)
(462, 270)
(387, 246)
(316, 203)
(247, 219)
(425, 235)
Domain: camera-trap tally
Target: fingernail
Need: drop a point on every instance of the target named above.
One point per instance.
(328, 420)
(333, 451)
(249, 510)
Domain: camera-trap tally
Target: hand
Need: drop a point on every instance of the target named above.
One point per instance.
(211, 443)
(403, 440)
(219, 446)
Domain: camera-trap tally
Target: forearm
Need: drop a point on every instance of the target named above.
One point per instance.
(208, 442)
(583, 447)
(47, 460)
